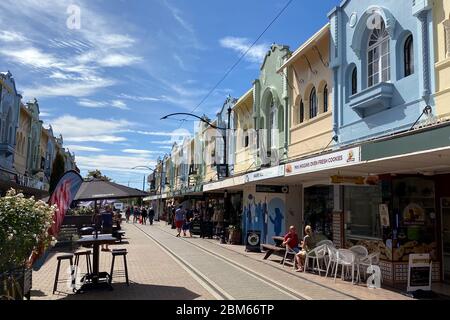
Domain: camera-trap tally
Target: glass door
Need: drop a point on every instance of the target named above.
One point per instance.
(445, 214)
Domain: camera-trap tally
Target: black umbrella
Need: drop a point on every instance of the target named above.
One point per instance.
(97, 189)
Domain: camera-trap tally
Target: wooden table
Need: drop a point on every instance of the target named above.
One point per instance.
(96, 279)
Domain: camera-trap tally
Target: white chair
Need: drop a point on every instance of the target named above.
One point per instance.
(371, 260)
(332, 259)
(327, 242)
(360, 251)
(291, 252)
(346, 259)
(317, 254)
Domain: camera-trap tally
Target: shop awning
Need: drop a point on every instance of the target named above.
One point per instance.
(97, 189)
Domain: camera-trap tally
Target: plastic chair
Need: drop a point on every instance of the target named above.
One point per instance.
(332, 259)
(289, 251)
(360, 251)
(327, 242)
(317, 254)
(346, 259)
(371, 260)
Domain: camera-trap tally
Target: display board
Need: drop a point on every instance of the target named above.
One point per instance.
(419, 272)
(253, 241)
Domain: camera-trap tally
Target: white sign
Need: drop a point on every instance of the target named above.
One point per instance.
(118, 206)
(236, 181)
(419, 272)
(274, 172)
(328, 161)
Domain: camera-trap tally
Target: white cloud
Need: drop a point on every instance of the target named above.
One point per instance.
(79, 130)
(106, 162)
(69, 89)
(32, 57)
(256, 54)
(103, 104)
(118, 60)
(170, 142)
(11, 36)
(83, 148)
(176, 133)
(138, 151)
(139, 98)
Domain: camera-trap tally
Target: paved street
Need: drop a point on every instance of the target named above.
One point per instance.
(163, 267)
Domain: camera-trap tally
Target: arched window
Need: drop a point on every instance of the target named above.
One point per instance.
(355, 81)
(301, 112)
(409, 56)
(325, 99)
(379, 67)
(313, 104)
(273, 124)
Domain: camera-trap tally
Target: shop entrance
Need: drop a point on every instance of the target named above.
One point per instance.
(319, 204)
(445, 214)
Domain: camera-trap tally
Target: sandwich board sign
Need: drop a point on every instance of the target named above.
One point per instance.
(419, 272)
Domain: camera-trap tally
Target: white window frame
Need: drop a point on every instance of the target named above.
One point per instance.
(378, 47)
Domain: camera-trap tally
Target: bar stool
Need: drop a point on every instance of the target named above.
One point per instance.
(119, 253)
(61, 258)
(87, 254)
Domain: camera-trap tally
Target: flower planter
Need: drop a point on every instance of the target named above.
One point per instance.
(16, 284)
(234, 237)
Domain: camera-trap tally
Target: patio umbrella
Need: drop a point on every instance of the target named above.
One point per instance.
(96, 189)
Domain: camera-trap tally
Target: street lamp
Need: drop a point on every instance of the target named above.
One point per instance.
(225, 136)
(143, 167)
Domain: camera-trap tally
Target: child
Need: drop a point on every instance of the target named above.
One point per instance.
(187, 227)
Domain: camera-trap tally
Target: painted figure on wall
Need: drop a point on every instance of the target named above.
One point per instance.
(276, 211)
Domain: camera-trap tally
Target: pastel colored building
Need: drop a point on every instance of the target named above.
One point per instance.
(270, 108)
(245, 135)
(310, 96)
(383, 72)
(441, 21)
(9, 117)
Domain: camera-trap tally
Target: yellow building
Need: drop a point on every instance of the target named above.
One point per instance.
(310, 96)
(23, 135)
(442, 57)
(245, 135)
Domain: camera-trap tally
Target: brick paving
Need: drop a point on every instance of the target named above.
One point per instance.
(215, 271)
(154, 275)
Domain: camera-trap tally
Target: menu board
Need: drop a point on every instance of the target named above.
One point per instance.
(419, 272)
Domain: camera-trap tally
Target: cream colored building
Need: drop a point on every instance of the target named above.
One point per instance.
(310, 96)
(442, 57)
(23, 135)
(245, 135)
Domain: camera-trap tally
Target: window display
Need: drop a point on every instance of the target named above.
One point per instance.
(319, 209)
(362, 212)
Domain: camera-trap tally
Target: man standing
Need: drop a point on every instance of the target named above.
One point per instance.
(151, 215)
(179, 219)
(144, 215)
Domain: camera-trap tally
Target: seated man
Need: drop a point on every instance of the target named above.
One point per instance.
(307, 245)
(291, 240)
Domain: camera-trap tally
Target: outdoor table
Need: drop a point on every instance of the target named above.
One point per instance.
(97, 279)
(278, 241)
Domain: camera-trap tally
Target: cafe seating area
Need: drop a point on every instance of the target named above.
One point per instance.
(353, 264)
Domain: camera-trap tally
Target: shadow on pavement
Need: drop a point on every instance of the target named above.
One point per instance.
(137, 291)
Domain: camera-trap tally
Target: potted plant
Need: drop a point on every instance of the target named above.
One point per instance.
(24, 226)
(234, 235)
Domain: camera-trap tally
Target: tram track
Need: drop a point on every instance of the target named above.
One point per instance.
(219, 292)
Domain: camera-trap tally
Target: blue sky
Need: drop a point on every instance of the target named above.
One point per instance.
(106, 85)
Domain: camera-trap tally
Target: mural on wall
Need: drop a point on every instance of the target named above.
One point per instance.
(265, 215)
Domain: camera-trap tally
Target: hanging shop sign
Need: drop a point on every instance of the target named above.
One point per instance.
(328, 161)
(271, 189)
(269, 173)
(419, 272)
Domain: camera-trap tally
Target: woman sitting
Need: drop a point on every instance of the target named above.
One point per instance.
(307, 245)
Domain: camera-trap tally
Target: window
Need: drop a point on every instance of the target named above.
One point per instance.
(355, 81)
(302, 112)
(325, 99)
(409, 56)
(246, 139)
(379, 68)
(273, 125)
(361, 205)
(313, 104)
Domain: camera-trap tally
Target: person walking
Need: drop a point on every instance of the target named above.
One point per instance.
(144, 215)
(127, 214)
(107, 224)
(179, 219)
(151, 215)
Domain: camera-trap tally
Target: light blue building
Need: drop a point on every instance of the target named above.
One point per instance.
(382, 61)
(9, 118)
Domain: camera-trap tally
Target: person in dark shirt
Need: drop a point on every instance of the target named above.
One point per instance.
(144, 215)
(107, 224)
(151, 215)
